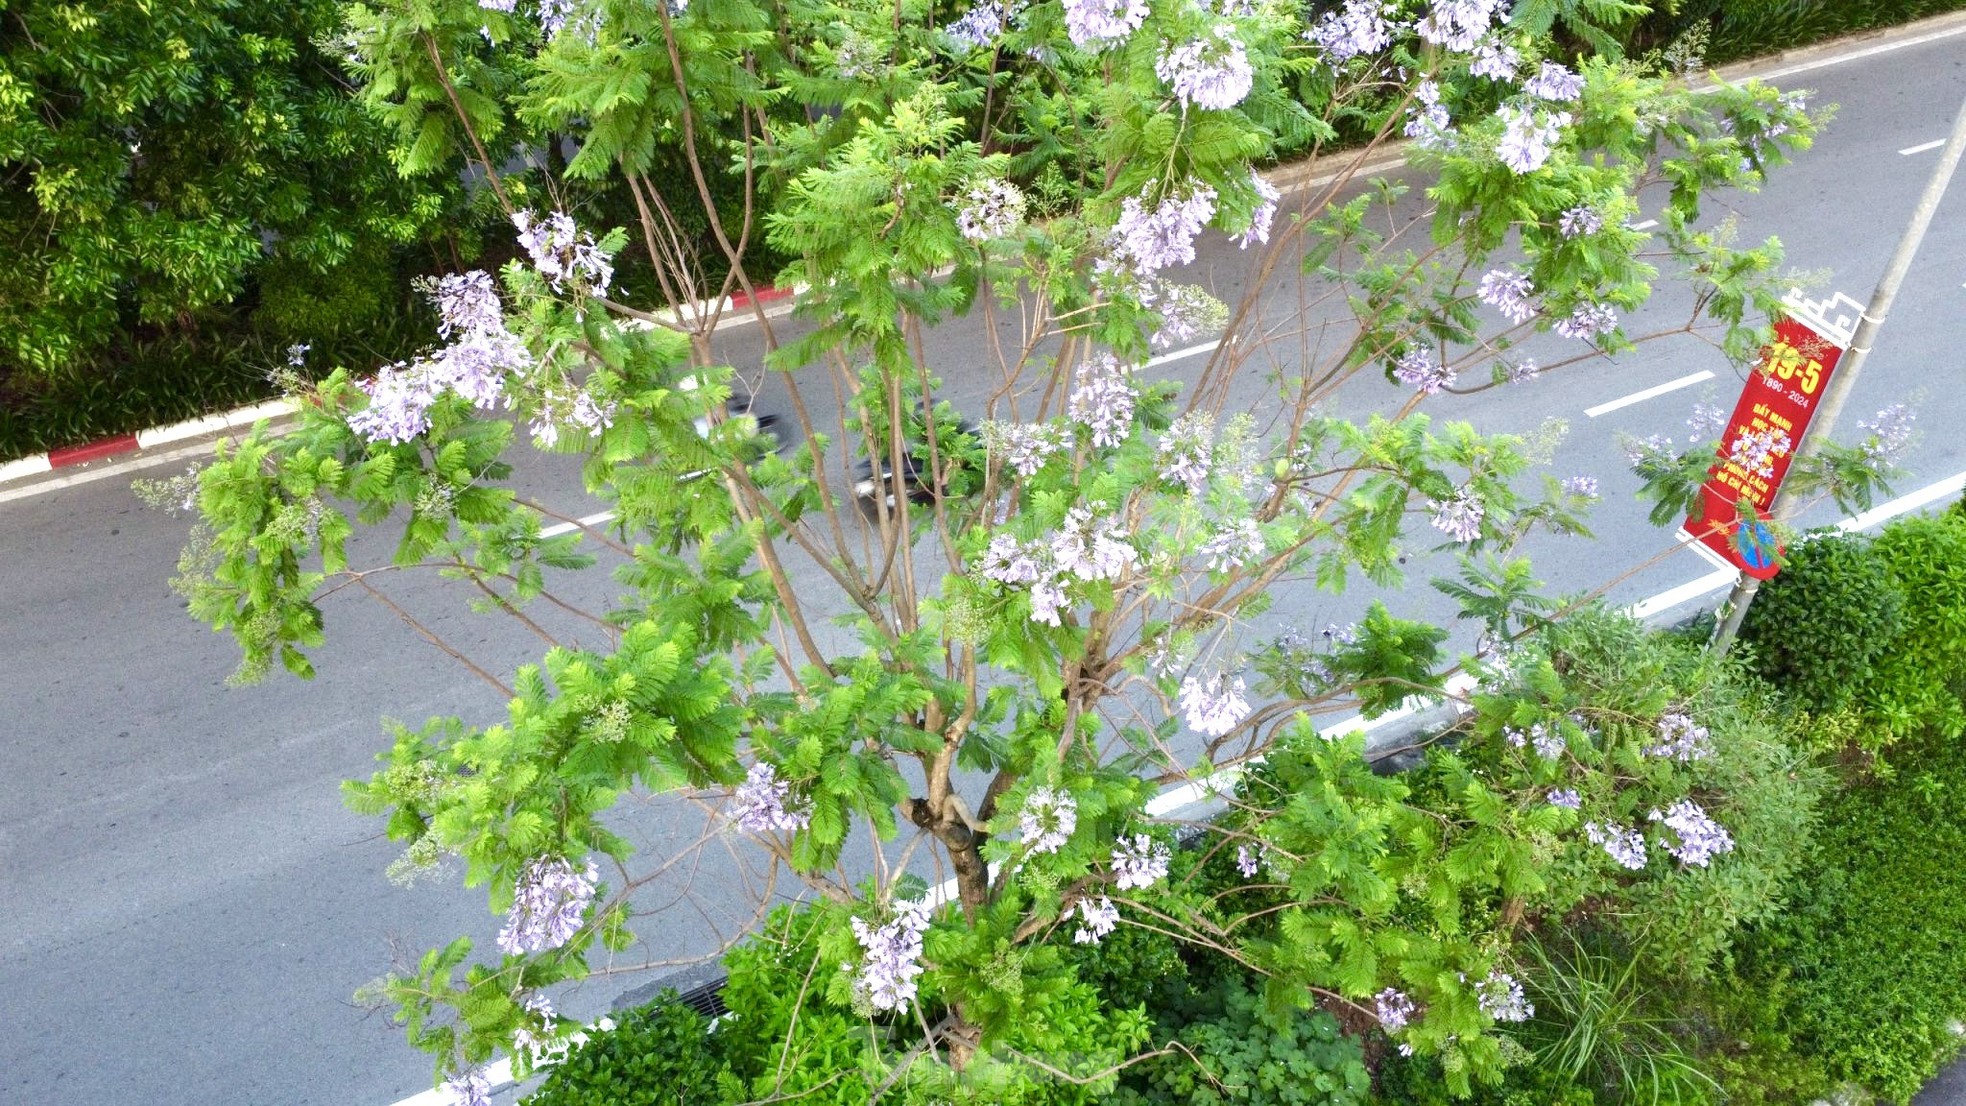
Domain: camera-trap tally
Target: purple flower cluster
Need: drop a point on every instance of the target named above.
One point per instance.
(1026, 446)
(469, 1087)
(1583, 487)
(1082, 548)
(1416, 369)
(1681, 739)
(1147, 241)
(1700, 837)
(1626, 846)
(893, 954)
(1184, 454)
(759, 805)
(1185, 310)
(1580, 221)
(1528, 137)
(1047, 820)
(1500, 997)
(1097, 24)
(1212, 72)
(1554, 83)
(1357, 29)
(1215, 705)
(1459, 518)
(980, 25)
(1495, 60)
(1139, 862)
(1102, 399)
(1099, 918)
(1266, 212)
(1656, 448)
(1706, 423)
(1757, 450)
(1459, 25)
(548, 902)
(1520, 371)
(992, 209)
(1588, 320)
(1394, 1009)
(1248, 860)
(1508, 291)
(583, 17)
(1427, 121)
(1890, 434)
(1565, 797)
(535, 1039)
(467, 303)
(562, 253)
(1233, 546)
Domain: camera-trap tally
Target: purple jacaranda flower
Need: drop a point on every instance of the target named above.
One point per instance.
(891, 964)
(549, 901)
(1099, 916)
(1213, 706)
(1700, 837)
(1139, 862)
(760, 804)
(1460, 517)
(1047, 820)
(1211, 72)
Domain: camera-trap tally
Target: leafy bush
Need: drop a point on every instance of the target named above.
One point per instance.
(1866, 969)
(1918, 683)
(660, 1054)
(1739, 29)
(1818, 626)
(1234, 1052)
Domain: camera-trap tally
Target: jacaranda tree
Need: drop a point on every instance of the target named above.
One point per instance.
(974, 640)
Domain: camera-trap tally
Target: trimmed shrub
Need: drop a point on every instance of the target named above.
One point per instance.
(1867, 970)
(1818, 626)
(1918, 684)
(661, 1054)
(1234, 1052)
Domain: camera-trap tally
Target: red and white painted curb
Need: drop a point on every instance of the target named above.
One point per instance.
(42, 463)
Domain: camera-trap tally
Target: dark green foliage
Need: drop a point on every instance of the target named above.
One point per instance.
(1231, 1051)
(1820, 624)
(661, 1054)
(1918, 683)
(1740, 29)
(191, 185)
(1867, 970)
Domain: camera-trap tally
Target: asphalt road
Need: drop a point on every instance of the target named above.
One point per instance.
(189, 907)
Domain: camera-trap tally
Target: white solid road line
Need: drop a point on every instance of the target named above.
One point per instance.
(1858, 55)
(1649, 393)
(1205, 347)
(1919, 149)
(1646, 225)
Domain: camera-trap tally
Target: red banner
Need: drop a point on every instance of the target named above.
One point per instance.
(1757, 445)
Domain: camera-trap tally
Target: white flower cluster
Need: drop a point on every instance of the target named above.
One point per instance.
(1500, 997)
(992, 209)
(562, 406)
(1025, 447)
(1097, 24)
(1185, 452)
(1047, 820)
(1236, 544)
(563, 253)
(1459, 24)
(1626, 846)
(1083, 548)
(1700, 837)
(1215, 705)
(1681, 739)
(1528, 136)
(1100, 918)
(1359, 28)
(1140, 862)
(1103, 396)
(1266, 212)
(1459, 518)
(1211, 72)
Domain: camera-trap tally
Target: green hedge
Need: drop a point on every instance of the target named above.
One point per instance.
(1740, 29)
(1866, 972)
